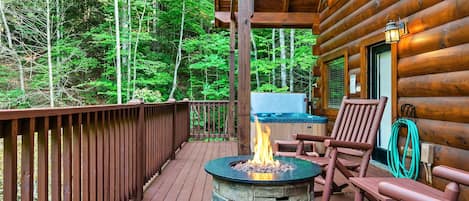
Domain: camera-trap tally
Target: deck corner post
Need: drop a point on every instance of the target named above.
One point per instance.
(244, 76)
(173, 138)
(141, 163)
(188, 119)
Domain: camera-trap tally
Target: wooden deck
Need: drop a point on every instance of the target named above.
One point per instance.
(184, 178)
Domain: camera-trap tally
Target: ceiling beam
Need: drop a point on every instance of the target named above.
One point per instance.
(273, 19)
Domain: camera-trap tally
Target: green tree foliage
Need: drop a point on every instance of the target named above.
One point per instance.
(83, 52)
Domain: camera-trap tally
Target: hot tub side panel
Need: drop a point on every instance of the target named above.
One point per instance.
(284, 131)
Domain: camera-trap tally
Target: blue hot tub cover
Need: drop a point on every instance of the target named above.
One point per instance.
(288, 118)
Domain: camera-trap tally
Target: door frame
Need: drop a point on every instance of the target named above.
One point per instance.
(379, 154)
(364, 64)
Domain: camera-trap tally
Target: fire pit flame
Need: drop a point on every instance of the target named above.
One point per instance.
(263, 160)
(263, 155)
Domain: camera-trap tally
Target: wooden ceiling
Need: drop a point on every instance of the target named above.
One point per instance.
(273, 13)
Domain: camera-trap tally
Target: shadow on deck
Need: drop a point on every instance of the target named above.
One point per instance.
(185, 179)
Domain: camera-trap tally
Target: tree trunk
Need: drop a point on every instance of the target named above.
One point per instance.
(58, 59)
(283, 67)
(292, 58)
(129, 51)
(118, 53)
(49, 55)
(179, 53)
(254, 47)
(273, 57)
(10, 46)
(136, 48)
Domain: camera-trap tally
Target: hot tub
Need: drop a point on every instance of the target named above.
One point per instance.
(283, 125)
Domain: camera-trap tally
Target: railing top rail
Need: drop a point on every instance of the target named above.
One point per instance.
(211, 101)
(47, 112)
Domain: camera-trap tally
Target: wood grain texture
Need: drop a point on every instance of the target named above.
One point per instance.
(451, 134)
(439, 61)
(440, 108)
(244, 77)
(27, 129)
(434, 85)
(441, 13)
(56, 155)
(329, 11)
(351, 15)
(377, 22)
(67, 157)
(10, 154)
(76, 157)
(444, 36)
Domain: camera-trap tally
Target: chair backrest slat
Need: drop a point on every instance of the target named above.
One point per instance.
(342, 123)
(369, 124)
(346, 123)
(361, 109)
(358, 120)
(353, 122)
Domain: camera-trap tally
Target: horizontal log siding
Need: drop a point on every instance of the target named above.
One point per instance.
(432, 68)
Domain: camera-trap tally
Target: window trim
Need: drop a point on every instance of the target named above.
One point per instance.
(325, 78)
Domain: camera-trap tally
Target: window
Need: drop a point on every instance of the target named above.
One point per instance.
(335, 86)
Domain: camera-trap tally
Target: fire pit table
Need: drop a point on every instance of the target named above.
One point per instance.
(229, 184)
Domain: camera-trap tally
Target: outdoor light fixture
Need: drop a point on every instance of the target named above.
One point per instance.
(394, 30)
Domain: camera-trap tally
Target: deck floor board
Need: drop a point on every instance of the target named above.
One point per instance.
(184, 178)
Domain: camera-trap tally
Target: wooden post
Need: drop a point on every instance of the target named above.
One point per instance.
(141, 151)
(244, 76)
(173, 138)
(231, 115)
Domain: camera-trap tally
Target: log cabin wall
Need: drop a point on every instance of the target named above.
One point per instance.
(430, 65)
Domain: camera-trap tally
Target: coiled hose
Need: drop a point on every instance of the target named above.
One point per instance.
(397, 163)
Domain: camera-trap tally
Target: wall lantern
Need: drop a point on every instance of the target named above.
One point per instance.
(394, 30)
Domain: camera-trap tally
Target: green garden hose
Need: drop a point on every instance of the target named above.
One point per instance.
(397, 163)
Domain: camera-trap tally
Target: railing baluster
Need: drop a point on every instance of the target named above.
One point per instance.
(140, 151)
(76, 157)
(10, 156)
(43, 159)
(86, 157)
(67, 157)
(56, 158)
(105, 143)
(131, 153)
(219, 117)
(147, 141)
(92, 156)
(27, 159)
(112, 155)
(122, 154)
(126, 156)
(99, 156)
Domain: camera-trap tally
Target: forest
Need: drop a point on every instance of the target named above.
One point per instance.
(56, 53)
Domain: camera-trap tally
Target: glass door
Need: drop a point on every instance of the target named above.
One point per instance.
(380, 84)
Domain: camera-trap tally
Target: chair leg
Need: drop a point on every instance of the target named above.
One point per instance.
(358, 195)
(329, 176)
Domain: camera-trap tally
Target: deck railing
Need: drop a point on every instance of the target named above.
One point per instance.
(211, 119)
(88, 153)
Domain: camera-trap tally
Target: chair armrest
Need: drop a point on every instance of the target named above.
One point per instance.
(452, 174)
(312, 137)
(400, 193)
(345, 144)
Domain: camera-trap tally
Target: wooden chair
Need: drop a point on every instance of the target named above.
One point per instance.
(354, 134)
(384, 189)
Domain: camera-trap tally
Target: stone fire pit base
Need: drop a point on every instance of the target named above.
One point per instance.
(227, 191)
